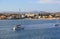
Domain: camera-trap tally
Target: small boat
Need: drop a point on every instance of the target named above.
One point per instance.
(57, 25)
(18, 27)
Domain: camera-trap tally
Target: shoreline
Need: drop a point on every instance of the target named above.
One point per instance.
(32, 19)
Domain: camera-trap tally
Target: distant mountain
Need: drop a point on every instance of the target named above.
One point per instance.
(57, 12)
(35, 12)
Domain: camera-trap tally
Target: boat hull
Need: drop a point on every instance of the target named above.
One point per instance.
(18, 28)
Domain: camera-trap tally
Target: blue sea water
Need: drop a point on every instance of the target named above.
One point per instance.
(33, 29)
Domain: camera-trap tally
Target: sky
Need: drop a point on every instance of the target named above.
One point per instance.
(30, 5)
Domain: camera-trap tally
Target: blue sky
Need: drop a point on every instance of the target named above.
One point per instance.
(30, 5)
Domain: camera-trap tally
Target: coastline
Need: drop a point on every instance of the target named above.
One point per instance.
(33, 19)
(42, 19)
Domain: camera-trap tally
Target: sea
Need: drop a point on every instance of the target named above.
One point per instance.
(33, 29)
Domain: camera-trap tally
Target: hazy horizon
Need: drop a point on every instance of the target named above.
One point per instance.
(30, 5)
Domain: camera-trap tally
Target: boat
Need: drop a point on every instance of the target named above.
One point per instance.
(18, 27)
(57, 25)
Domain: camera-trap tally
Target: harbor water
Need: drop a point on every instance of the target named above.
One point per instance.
(33, 29)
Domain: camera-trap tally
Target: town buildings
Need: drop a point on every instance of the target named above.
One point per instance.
(30, 16)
